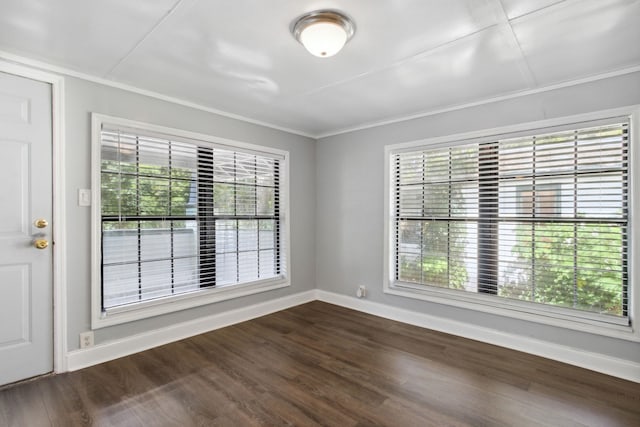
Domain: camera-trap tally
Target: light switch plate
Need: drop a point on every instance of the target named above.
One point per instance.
(84, 197)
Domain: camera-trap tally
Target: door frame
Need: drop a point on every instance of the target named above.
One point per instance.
(58, 193)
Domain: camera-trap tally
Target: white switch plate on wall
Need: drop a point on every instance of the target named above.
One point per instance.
(84, 197)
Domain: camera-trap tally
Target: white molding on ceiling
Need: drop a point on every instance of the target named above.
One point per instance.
(44, 66)
(485, 101)
(22, 60)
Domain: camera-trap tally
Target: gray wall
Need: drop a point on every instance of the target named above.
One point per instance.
(336, 199)
(349, 188)
(83, 98)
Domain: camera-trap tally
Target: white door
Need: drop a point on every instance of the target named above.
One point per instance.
(26, 294)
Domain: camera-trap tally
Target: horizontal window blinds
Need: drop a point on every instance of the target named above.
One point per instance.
(179, 216)
(540, 218)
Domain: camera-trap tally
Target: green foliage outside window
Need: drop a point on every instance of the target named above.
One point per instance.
(577, 266)
(160, 192)
(171, 192)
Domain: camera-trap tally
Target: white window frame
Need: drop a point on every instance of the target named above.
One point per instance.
(538, 313)
(145, 309)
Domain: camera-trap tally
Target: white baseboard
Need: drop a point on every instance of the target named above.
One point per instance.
(594, 361)
(115, 349)
(111, 350)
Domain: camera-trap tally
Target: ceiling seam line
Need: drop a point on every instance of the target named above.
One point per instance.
(515, 95)
(537, 11)
(399, 62)
(145, 37)
(11, 58)
(533, 83)
(530, 76)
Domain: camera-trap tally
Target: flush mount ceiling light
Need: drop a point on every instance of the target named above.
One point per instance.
(323, 32)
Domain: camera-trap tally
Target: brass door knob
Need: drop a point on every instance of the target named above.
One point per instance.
(41, 243)
(41, 223)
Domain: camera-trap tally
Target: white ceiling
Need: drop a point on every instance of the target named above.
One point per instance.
(408, 57)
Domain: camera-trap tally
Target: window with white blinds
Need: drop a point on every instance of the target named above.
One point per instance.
(542, 218)
(179, 216)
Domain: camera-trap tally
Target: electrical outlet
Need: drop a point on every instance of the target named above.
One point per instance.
(362, 291)
(86, 339)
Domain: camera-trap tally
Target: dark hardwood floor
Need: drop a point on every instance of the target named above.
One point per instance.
(319, 364)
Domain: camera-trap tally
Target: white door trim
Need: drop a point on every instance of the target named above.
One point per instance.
(59, 228)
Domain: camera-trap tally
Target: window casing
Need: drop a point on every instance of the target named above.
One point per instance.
(531, 223)
(182, 219)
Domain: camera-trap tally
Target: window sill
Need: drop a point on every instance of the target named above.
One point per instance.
(170, 304)
(522, 310)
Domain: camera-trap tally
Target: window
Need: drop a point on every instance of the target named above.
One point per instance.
(534, 221)
(184, 217)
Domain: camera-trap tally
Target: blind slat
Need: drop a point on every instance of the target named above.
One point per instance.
(543, 218)
(177, 216)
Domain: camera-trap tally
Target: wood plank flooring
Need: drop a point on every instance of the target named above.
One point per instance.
(322, 365)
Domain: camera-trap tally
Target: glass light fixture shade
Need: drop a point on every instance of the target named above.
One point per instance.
(323, 33)
(323, 39)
